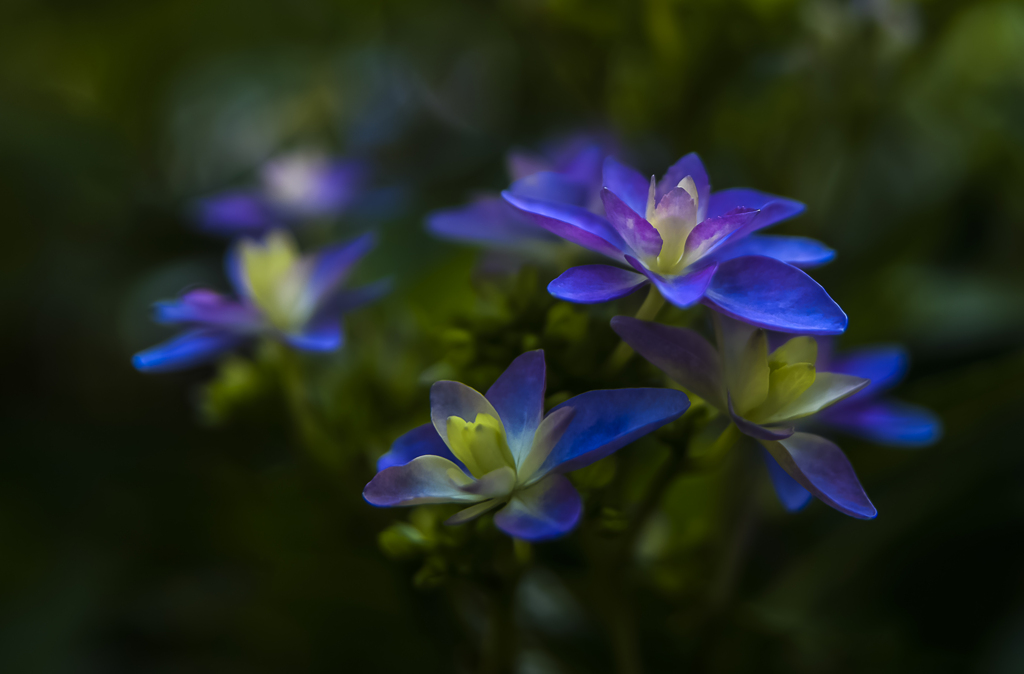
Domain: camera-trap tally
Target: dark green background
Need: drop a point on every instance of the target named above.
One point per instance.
(135, 536)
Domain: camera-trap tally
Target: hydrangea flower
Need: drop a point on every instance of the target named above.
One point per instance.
(296, 299)
(292, 187)
(692, 244)
(499, 449)
(765, 395)
(868, 414)
(490, 221)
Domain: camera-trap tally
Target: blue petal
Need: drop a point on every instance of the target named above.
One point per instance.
(773, 295)
(798, 251)
(206, 307)
(420, 441)
(349, 300)
(553, 187)
(235, 214)
(572, 223)
(773, 208)
(195, 347)
(684, 290)
(885, 365)
(319, 336)
(640, 236)
(885, 422)
(682, 354)
(490, 220)
(518, 396)
(792, 496)
(548, 509)
(607, 420)
(333, 264)
(822, 469)
(425, 479)
(595, 283)
(627, 184)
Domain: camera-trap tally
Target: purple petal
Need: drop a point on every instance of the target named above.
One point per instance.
(235, 214)
(333, 264)
(798, 251)
(712, 232)
(682, 354)
(692, 166)
(684, 290)
(627, 184)
(206, 307)
(595, 283)
(321, 336)
(607, 420)
(349, 300)
(756, 430)
(572, 223)
(639, 235)
(773, 209)
(548, 509)
(490, 220)
(792, 496)
(552, 187)
(775, 296)
(583, 165)
(195, 347)
(885, 422)
(822, 469)
(884, 364)
(425, 479)
(235, 271)
(420, 441)
(518, 396)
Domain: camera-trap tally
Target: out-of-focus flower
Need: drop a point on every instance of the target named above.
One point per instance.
(490, 221)
(692, 244)
(764, 394)
(296, 299)
(292, 188)
(499, 449)
(867, 413)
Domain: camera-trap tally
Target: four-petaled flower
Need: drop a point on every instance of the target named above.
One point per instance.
(575, 166)
(500, 449)
(764, 394)
(297, 299)
(293, 187)
(692, 244)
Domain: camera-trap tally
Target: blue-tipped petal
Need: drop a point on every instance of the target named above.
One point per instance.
(684, 290)
(885, 365)
(822, 469)
(490, 220)
(235, 214)
(798, 251)
(208, 308)
(692, 166)
(572, 223)
(791, 495)
(607, 420)
(319, 337)
(195, 347)
(425, 479)
(420, 441)
(593, 283)
(773, 295)
(642, 239)
(518, 396)
(548, 509)
(885, 422)
(772, 208)
(681, 353)
(627, 184)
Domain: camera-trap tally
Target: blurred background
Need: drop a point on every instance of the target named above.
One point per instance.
(167, 524)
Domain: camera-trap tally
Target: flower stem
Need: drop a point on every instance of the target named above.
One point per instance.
(647, 312)
(316, 439)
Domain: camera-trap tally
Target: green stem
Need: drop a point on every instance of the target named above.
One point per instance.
(316, 439)
(647, 312)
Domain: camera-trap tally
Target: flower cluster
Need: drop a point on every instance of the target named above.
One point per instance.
(501, 452)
